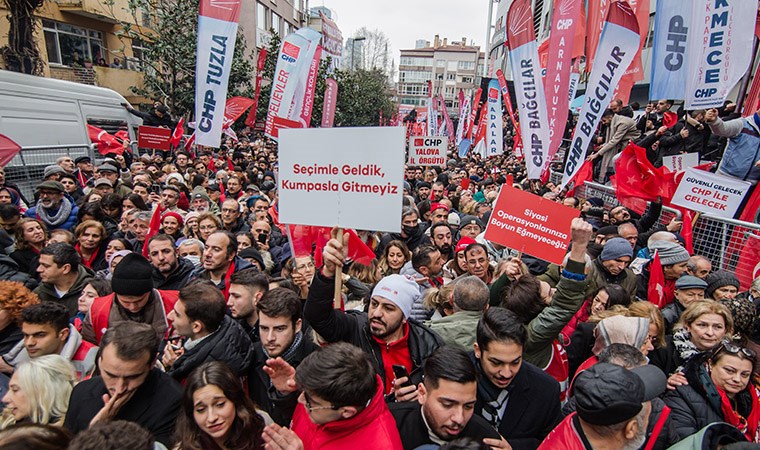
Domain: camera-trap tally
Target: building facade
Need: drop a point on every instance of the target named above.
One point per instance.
(258, 17)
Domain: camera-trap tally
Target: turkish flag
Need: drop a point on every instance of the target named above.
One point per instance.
(153, 228)
(637, 181)
(304, 237)
(656, 287)
(585, 173)
(748, 266)
(179, 130)
(8, 150)
(106, 143)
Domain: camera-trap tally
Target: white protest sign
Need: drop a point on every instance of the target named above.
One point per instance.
(679, 163)
(427, 150)
(710, 193)
(349, 177)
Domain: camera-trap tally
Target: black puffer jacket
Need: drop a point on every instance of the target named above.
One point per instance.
(177, 279)
(9, 271)
(353, 327)
(229, 344)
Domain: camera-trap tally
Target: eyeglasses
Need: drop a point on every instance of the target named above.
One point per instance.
(307, 400)
(305, 266)
(735, 349)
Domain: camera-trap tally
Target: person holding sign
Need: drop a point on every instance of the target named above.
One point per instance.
(385, 332)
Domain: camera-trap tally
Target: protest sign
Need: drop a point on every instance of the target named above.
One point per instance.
(153, 137)
(710, 193)
(531, 224)
(217, 31)
(679, 163)
(349, 177)
(427, 150)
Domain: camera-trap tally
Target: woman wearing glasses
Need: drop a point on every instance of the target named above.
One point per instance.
(719, 390)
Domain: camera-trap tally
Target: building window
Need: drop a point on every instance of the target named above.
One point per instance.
(466, 65)
(416, 61)
(451, 76)
(414, 76)
(138, 53)
(70, 45)
(440, 63)
(261, 16)
(466, 79)
(276, 23)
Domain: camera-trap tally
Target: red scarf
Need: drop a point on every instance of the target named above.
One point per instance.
(749, 425)
(87, 262)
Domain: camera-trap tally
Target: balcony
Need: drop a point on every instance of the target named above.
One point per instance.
(119, 80)
(95, 9)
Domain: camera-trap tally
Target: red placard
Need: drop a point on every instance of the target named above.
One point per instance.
(153, 137)
(531, 224)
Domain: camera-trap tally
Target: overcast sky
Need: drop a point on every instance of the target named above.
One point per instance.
(405, 21)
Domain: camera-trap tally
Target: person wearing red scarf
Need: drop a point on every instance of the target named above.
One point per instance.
(90, 236)
(719, 390)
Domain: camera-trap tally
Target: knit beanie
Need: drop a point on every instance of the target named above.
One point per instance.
(743, 312)
(670, 253)
(51, 170)
(175, 215)
(133, 276)
(718, 279)
(399, 289)
(616, 248)
(464, 241)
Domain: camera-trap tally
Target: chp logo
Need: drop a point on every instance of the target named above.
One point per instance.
(290, 52)
(418, 142)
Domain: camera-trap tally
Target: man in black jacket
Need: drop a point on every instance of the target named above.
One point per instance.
(170, 272)
(132, 390)
(280, 329)
(517, 398)
(246, 290)
(158, 116)
(446, 404)
(209, 334)
(385, 332)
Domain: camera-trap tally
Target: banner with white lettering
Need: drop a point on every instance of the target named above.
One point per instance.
(617, 47)
(669, 51)
(331, 97)
(464, 112)
(720, 49)
(710, 193)
(529, 88)
(217, 30)
(332, 38)
(495, 125)
(290, 77)
(311, 84)
(558, 69)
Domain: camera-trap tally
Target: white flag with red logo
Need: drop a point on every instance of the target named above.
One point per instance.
(495, 126)
(529, 88)
(217, 30)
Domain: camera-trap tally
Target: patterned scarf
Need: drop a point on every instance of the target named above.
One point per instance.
(291, 351)
(64, 210)
(685, 347)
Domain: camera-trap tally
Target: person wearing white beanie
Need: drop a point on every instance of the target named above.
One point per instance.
(401, 290)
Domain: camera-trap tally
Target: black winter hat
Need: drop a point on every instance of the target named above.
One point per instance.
(718, 279)
(133, 276)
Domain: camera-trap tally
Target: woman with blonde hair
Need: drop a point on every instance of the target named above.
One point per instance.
(439, 299)
(38, 392)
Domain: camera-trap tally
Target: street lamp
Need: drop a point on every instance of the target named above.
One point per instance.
(353, 47)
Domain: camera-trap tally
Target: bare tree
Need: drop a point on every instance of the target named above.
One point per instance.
(21, 54)
(375, 51)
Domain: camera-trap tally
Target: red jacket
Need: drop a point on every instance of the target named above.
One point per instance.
(101, 309)
(374, 428)
(563, 436)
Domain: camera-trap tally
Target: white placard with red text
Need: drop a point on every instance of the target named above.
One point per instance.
(679, 163)
(427, 150)
(710, 193)
(349, 177)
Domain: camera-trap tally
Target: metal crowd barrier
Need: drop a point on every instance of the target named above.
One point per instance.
(607, 193)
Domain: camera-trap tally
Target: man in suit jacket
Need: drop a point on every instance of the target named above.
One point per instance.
(444, 409)
(520, 400)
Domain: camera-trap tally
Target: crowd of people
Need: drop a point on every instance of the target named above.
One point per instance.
(212, 332)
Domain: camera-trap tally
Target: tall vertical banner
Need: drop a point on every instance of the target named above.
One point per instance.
(529, 88)
(617, 47)
(510, 110)
(250, 120)
(464, 111)
(720, 49)
(474, 112)
(597, 13)
(669, 49)
(447, 119)
(217, 30)
(495, 126)
(290, 79)
(328, 108)
(311, 84)
(558, 69)
(432, 119)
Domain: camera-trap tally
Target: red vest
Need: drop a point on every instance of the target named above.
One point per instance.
(101, 309)
(564, 436)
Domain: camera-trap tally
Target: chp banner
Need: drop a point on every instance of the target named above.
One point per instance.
(290, 78)
(617, 47)
(494, 124)
(427, 150)
(328, 107)
(464, 111)
(531, 224)
(529, 88)
(669, 52)
(217, 30)
(720, 45)
(251, 119)
(710, 193)
(324, 181)
(558, 69)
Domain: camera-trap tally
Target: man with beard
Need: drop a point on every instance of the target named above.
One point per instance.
(220, 260)
(412, 232)
(439, 213)
(246, 290)
(426, 268)
(385, 332)
(281, 330)
(613, 407)
(445, 408)
(170, 271)
(441, 235)
(54, 207)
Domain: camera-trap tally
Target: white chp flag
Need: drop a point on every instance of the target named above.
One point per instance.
(494, 125)
(617, 46)
(217, 30)
(464, 112)
(529, 87)
(720, 46)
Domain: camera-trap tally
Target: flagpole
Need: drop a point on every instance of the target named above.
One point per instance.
(488, 39)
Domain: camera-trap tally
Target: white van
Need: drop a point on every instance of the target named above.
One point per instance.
(48, 118)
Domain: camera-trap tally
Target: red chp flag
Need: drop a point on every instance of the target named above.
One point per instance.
(558, 69)
(328, 108)
(529, 87)
(311, 84)
(217, 31)
(106, 143)
(616, 49)
(508, 105)
(260, 63)
(636, 71)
